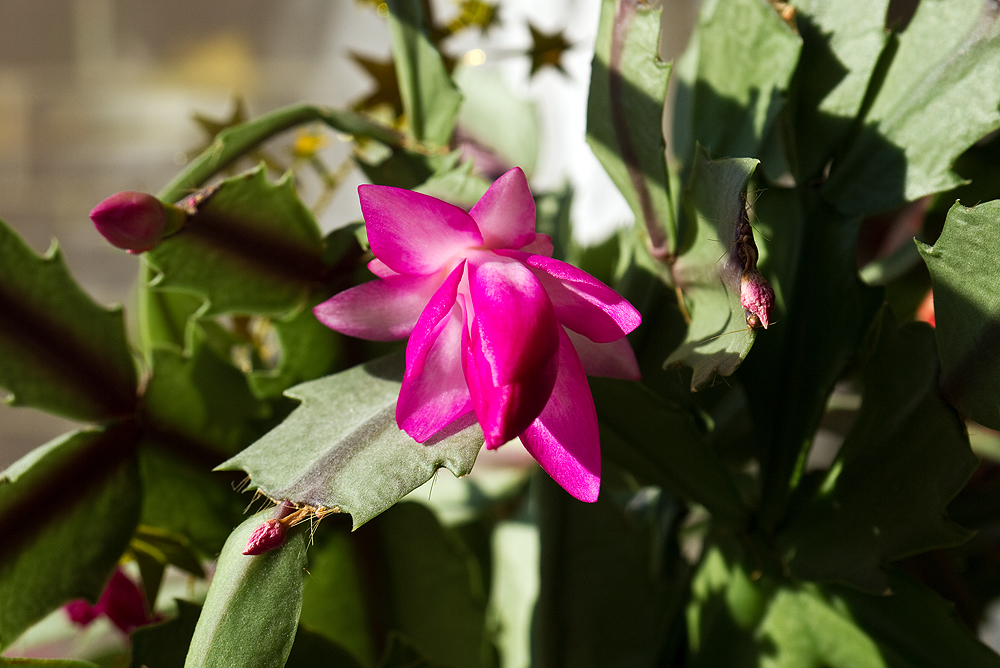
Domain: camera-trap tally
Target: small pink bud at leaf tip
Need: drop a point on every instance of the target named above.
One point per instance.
(268, 536)
(130, 220)
(757, 297)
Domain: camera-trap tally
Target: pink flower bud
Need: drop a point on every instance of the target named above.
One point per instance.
(266, 537)
(130, 220)
(757, 298)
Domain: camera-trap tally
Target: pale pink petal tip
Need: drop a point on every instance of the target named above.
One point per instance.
(268, 536)
(757, 297)
(131, 220)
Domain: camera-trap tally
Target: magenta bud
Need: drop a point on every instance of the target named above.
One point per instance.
(757, 297)
(130, 220)
(266, 537)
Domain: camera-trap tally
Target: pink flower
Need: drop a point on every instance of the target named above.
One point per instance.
(496, 325)
(122, 602)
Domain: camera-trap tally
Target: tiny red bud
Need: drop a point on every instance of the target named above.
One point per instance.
(266, 537)
(757, 298)
(130, 220)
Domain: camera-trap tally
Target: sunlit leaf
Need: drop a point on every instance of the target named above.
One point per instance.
(342, 449)
(67, 512)
(430, 98)
(904, 459)
(841, 44)
(59, 351)
(732, 78)
(718, 337)
(965, 274)
(252, 610)
(936, 100)
(625, 116)
(497, 118)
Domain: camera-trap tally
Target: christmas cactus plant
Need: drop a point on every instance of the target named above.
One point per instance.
(763, 416)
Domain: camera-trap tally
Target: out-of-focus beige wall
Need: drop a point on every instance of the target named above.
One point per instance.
(96, 97)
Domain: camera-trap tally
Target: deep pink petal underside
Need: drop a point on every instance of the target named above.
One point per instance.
(434, 392)
(510, 352)
(414, 233)
(607, 360)
(382, 310)
(540, 245)
(564, 439)
(378, 268)
(514, 318)
(506, 213)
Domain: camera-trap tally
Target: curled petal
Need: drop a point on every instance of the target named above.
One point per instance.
(607, 360)
(564, 439)
(540, 245)
(382, 310)
(506, 212)
(583, 303)
(414, 233)
(434, 390)
(378, 268)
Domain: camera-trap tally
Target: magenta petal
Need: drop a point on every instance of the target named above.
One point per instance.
(582, 302)
(607, 360)
(382, 310)
(434, 391)
(564, 439)
(378, 268)
(506, 212)
(413, 233)
(540, 245)
(514, 338)
(80, 612)
(124, 604)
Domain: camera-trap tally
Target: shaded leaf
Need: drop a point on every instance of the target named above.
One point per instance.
(67, 512)
(611, 590)
(202, 400)
(937, 98)
(312, 650)
(628, 84)
(430, 98)
(827, 312)
(717, 338)
(59, 350)
(252, 610)
(841, 44)
(400, 653)
(904, 459)
(732, 78)
(342, 449)
(914, 626)
(662, 446)
(434, 588)
(250, 247)
(154, 549)
(163, 316)
(309, 349)
(333, 601)
(965, 276)
(165, 645)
